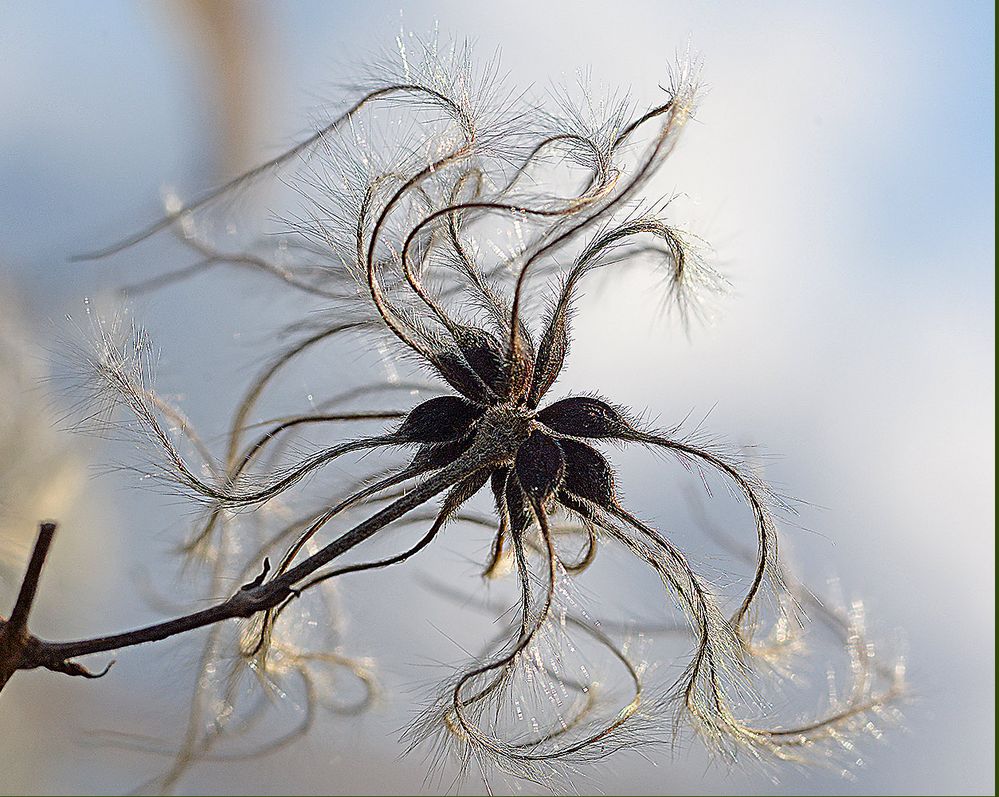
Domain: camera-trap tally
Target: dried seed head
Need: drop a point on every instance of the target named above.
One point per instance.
(582, 416)
(540, 466)
(439, 420)
(588, 474)
(400, 245)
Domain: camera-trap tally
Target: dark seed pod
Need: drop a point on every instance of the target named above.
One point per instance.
(521, 516)
(551, 357)
(539, 465)
(582, 416)
(498, 484)
(437, 455)
(587, 474)
(455, 370)
(485, 354)
(439, 420)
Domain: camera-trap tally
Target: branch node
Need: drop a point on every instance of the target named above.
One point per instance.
(78, 670)
(260, 578)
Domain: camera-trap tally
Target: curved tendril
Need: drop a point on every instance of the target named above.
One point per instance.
(701, 609)
(528, 630)
(519, 751)
(231, 498)
(272, 746)
(594, 192)
(356, 669)
(588, 556)
(602, 638)
(381, 305)
(727, 723)
(238, 424)
(255, 390)
(206, 743)
(368, 203)
(655, 153)
(554, 342)
(496, 306)
(256, 448)
(183, 425)
(623, 715)
(861, 701)
(568, 724)
(766, 557)
(407, 268)
(599, 157)
(467, 266)
(181, 472)
(198, 747)
(498, 207)
(494, 206)
(249, 400)
(523, 573)
(211, 256)
(208, 459)
(251, 176)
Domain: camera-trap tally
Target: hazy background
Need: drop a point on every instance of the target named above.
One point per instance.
(843, 166)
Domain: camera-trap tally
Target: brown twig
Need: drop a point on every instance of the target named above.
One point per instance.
(21, 650)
